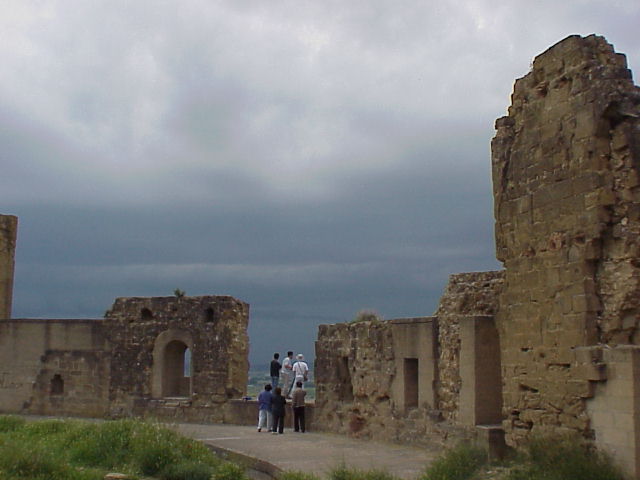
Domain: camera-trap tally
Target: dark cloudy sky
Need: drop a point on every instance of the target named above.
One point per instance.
(312, 158)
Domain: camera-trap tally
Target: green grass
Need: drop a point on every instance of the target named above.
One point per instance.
(82, 450)
(79, 450)
(459, 463)
(543, 458)
(563, 458)
(341, 472)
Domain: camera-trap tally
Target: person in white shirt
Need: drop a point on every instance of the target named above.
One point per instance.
(287, 375)
(300, 369)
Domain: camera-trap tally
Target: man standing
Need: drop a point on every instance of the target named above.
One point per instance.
(300, 370)
(264, 408)
(298, 408)
(275, 371)
(287, 375)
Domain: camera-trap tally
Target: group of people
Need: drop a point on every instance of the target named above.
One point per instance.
(273, 399)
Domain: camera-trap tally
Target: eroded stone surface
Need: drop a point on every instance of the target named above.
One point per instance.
(363, 387)
(133, 362)
(466, 294)
(8, 230)
(214, 328)
(565, 172)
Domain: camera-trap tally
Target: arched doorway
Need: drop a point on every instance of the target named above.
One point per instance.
(175, 382)
(172, 364)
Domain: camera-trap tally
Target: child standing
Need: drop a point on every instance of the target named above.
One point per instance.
(278, 406)
(264, 408)
(298, 407)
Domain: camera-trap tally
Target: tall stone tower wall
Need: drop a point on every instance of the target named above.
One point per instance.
(8, 230)
(566, 167)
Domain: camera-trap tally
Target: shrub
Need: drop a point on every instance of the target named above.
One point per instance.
(366, 316)
(229, 471)
(459, 463)
(564, 458)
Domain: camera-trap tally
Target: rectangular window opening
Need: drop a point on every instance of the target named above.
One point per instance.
(411, 382)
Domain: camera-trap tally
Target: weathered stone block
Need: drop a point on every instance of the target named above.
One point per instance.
(8, 232)
(576, 188)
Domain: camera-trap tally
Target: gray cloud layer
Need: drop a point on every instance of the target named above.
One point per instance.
(311, 158)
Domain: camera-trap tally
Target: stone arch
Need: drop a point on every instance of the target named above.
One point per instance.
(168, 372)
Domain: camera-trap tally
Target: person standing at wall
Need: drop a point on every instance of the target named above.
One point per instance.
(278, 406)
(275, 370)
(264, 408)
(287, 374)
(300, 370)
(298, 407)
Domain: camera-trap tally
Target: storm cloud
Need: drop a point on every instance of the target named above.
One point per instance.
(310, 158)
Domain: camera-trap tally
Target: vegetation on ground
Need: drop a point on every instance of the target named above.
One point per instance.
(81, 450)
(459, 463)
(340, 473)
(84, 450)
(563, 458)
(543, 458)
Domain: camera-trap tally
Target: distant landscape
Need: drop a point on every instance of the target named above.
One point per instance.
(259, 377)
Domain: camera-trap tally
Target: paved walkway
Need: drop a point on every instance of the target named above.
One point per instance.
(310, 452)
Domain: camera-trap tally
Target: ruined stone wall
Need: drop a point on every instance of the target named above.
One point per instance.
(131, 363)
(466, 294)
(565, 172)
(8, 231)
(34, 352)
(354, 369)
(144, 331)
(72, 382)
(400, 379)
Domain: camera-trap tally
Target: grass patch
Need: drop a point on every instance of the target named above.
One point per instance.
(563, 458)
(297, 475)
(9, 423)
(79, 450)
(344, 473)
(459, 463)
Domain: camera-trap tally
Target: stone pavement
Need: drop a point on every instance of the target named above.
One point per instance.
(310, 452)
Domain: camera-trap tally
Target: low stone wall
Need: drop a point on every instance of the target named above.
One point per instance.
(234, 412)
(245, 412)
(182, 358)
(53, 367)
(401, 379)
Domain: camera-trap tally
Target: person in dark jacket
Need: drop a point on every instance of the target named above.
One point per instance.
(275, 370)
(298, 407)
(278, 403)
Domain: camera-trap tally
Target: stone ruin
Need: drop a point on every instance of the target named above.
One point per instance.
(8, 230)
(416, 380)
(182, 358)
(552, 343)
